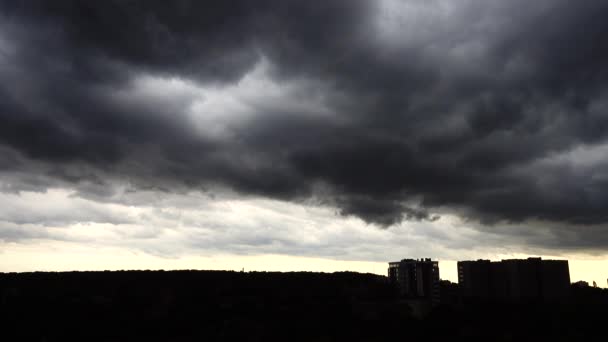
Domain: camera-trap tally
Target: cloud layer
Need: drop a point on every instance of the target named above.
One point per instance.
(492, 111)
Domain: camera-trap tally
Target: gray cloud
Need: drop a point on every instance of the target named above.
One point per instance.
(387, 113)
(53, 210)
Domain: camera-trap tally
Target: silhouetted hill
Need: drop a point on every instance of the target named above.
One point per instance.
(259, 306)
(211, 305)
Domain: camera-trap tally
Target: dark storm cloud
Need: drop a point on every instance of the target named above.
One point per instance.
(465, 112)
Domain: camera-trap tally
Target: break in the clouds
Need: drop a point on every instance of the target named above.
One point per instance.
(494, 112)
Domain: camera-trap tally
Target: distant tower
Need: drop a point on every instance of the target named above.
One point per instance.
(514, 279)
(416, 279)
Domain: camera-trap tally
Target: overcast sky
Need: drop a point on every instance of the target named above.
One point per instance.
(302, 134)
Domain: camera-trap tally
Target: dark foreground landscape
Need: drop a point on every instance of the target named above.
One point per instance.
(260, 306)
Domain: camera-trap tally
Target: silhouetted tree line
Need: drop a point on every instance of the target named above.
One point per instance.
(260, 306)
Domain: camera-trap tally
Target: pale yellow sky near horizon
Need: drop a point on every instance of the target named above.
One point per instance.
(29, 258)
(254, 234)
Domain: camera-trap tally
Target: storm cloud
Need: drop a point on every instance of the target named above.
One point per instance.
(493, 111)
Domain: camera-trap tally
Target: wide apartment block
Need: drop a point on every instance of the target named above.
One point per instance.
(416, 278)
(514, 280)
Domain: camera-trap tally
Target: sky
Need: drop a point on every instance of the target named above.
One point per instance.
(302, 135)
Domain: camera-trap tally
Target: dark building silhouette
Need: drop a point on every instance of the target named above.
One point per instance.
(416, 278)
(449, 293)
(474, 278)
(514, 280)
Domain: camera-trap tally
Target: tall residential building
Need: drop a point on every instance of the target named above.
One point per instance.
(416, 278)
(474, 278)
(514, 280)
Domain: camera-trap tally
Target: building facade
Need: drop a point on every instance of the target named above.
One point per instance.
(416, 278)
(514, 280)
